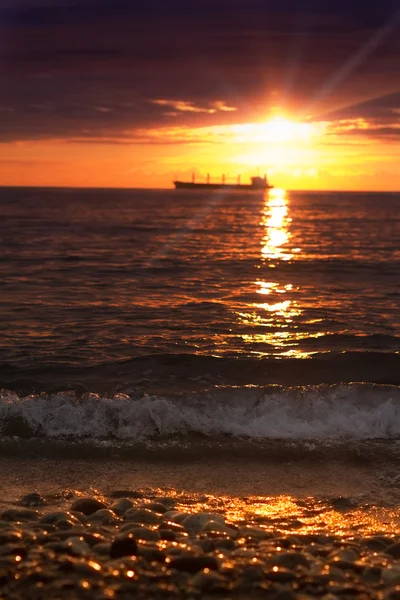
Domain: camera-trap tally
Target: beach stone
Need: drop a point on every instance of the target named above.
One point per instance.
(253, 573)
(346, 565)
(205, 545)
(391, 575)
(56, 516)
(64, 524)
(143, 533)
(287, 595)
(121, 506)
(103, 548)
(14, 550)
(151, 554)
(58, 547)
(194, 523)
(79, 516)
(215, 527)
(346, 554)
(166, 500)
(104, 516)
(393, 550)
(193, 564)
(342, 503)
(378, 543)
(156, 507)
(90, 537)
(142, 515)
(77, 546)
(224, 543)
(123, 545)
(33, 499)
(209, 581)
(171, 515)
(87, 506)
(10, 537)
(168, 535)
(254, 533)
(375, 545)
(283, 575)
(372, 575)
(20, 514)
(171, 526)
(290, 560)
(393, 594)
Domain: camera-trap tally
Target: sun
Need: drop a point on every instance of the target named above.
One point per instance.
(283, 144)
(278, 130)
(281, 130)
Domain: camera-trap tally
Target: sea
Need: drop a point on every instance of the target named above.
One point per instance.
(147, 321)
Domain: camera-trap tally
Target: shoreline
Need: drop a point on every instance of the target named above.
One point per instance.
(370, 482)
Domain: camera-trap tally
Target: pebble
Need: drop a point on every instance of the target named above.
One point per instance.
(87, 506)
(142, 533)
(119, 548)
(104, 516)
(32, 499)
(56, 516)
(123, 545)
(393, 550)
(156, 507)
(121, 506)
(19, 514)
(195, 523)
(192, 564)
(219, 529)
(142, 515)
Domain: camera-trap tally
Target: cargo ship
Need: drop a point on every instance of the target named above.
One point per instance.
(257, 184)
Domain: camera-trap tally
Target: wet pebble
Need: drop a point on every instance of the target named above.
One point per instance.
(87, 506)
(142, 533)
(196, 522)
(156, 507)
(32, 499)
(135, 547)
(142, 515)
(121, 506)
(123, 545)
(193, 564)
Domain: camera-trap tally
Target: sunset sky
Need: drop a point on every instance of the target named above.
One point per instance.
(136, 93)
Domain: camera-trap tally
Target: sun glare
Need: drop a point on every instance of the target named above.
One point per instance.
(281, 130)
(278, 130)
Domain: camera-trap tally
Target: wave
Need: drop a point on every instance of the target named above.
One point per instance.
(161, 374)
(355, 411)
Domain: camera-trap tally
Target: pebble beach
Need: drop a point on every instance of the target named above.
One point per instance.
(166, 542)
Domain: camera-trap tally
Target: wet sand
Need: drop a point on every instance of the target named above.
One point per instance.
(367, 484)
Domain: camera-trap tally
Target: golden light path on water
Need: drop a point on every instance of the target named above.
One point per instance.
(276, 319)
(288, 514)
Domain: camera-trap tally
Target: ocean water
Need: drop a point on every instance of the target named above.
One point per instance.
(137, 316)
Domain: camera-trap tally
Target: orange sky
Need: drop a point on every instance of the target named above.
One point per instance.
(319, 155)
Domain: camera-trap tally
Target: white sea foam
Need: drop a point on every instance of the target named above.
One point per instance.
(353, 411)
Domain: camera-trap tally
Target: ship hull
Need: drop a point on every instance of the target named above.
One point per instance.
(183, 185)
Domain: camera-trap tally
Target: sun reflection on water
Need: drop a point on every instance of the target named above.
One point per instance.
(278, 318)
(288, 514)
(276, 220)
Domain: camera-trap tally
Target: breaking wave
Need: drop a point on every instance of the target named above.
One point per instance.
(355, 411)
